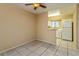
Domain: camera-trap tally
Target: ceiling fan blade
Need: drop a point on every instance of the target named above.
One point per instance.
(28, 4)
(43, 6)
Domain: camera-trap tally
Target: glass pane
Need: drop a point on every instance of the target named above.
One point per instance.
(53, 23)
(57, 24)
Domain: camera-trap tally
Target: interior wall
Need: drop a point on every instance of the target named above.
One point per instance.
(16, 26)
(43, 33)
(74, 44)
(78, 25)
(75, 27)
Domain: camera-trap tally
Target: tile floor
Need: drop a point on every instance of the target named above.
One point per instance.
(38, 48)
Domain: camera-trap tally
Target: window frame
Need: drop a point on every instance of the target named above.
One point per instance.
(55, 27)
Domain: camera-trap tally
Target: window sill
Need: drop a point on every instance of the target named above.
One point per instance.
(51, 29)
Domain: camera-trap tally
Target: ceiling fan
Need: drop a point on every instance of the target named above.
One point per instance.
(36, 5)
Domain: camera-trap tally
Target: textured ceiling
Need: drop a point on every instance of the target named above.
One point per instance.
(50, 6)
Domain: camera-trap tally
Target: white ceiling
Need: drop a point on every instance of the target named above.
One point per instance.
(50, 6)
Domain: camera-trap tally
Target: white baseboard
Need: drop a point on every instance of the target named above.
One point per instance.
(47, 42)
(16, 46)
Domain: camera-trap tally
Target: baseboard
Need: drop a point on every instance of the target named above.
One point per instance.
(47, 42)
(16, 46)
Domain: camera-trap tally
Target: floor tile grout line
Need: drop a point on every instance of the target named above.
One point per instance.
(35, 49)
(26, 48)
(13, 48)
(67, 48)
(57, 49)
(44, 51)
(18, 52)
(30, 50)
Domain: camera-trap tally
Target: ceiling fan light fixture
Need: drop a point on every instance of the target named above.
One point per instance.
(36, 5)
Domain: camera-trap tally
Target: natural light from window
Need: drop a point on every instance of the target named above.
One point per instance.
(54, 23)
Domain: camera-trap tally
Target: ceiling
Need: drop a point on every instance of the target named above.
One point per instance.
(50, 6)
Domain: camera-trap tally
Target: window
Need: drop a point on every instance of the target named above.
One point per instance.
(55, 24)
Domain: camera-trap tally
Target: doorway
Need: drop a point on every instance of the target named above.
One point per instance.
(64, 35)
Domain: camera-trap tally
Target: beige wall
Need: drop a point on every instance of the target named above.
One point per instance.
(74, 44)
(43, 33)
(16, 26)
(78, 25)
